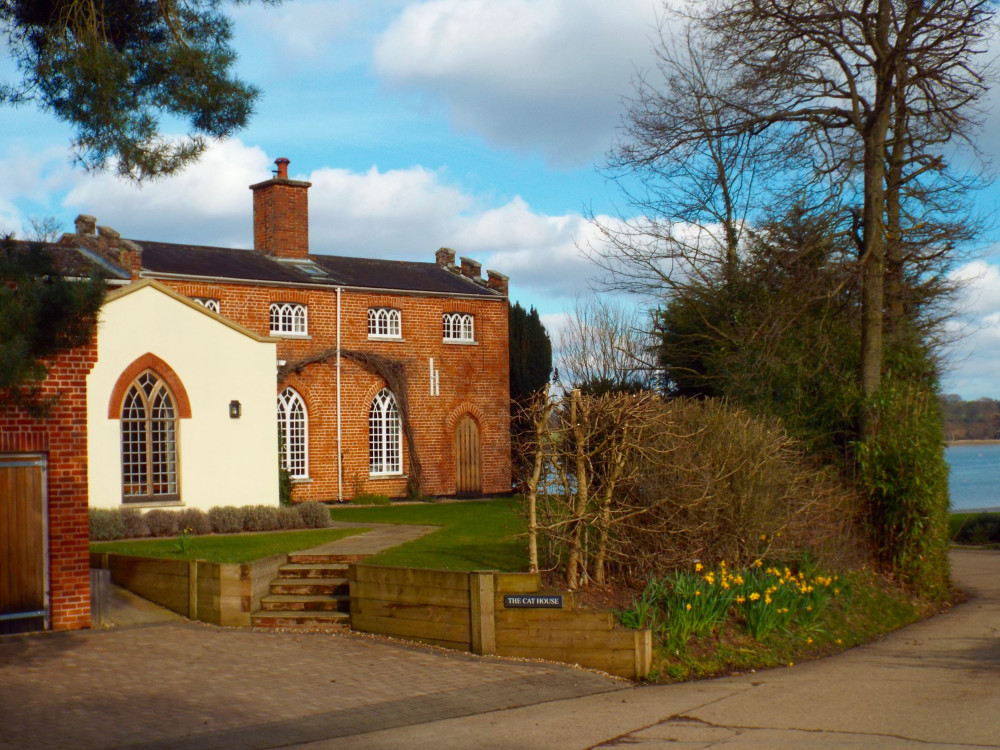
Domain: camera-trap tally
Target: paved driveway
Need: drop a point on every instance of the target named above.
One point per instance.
(180, 684)
(189, 685)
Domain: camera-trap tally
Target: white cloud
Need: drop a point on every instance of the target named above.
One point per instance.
(399, 213)
(975, 354)
(527, 74)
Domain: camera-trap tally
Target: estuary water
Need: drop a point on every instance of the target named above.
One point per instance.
(975, 475)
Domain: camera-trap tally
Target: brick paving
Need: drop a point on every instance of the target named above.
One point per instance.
(184, 684)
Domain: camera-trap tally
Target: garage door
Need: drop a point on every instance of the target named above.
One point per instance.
(23, 544)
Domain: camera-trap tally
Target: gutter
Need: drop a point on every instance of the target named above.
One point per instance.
(326, 287)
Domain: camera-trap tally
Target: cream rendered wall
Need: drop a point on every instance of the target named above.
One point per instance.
(222, 461)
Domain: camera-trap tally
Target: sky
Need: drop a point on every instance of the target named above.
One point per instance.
(478, 125)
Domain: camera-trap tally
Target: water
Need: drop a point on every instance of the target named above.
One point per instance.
(975, 475)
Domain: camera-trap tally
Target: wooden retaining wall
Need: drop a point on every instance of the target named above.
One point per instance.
(221, 594)
(466, 611)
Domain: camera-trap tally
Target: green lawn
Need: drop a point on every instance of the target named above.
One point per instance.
(474, 535)
(226, 548)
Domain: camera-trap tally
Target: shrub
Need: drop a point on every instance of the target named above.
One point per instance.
(722, 484)
(903, 470)
(226, 519)
(981, 529)
(105, 524)
(134, 523)
(314, 515)
(289, 518)
(370, 498)
(260, 518)
(194, 519)
(162, 522)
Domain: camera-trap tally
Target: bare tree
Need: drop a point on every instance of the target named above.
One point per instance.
(607, 346)
(839, 72)
(762, 104)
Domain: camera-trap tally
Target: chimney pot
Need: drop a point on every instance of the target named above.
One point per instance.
(282, 164)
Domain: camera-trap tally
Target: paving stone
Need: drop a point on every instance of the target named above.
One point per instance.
(199, 686)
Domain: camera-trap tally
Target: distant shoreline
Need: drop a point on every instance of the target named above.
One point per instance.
(951, 443)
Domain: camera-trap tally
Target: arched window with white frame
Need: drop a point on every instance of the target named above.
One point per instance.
(149, 441)
(385, 435)
(293, 426)
(384, 323)
(458, 327)
(288, 319)
(209, 303)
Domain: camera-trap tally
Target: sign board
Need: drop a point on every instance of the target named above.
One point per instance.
(533, 601)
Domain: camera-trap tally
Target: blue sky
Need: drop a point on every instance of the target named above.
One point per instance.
(473, 124)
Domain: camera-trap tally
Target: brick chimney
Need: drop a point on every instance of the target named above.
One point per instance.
(445, 258)
(497, 281)
(281, 215)
(471, 269)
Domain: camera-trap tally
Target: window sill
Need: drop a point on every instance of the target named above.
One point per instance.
(387, 476)
(152, 504)
(459, 342)
(301, 480)
(373, 337)
(287, 335)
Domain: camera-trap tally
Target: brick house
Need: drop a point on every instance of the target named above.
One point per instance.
(392, 376)
(385, 377)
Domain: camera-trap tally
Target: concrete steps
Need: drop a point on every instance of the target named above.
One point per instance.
(311, 592)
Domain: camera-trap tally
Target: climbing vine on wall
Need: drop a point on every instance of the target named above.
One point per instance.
(393, 372)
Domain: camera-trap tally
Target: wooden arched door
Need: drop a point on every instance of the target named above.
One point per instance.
(467, 475)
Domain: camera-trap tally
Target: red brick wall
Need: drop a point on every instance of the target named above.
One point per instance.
(62, 436)
(473, 379)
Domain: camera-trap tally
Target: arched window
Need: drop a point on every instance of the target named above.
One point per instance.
(385, 435)
(458, 327)
(149, 441)
(293, 426)
(209, 303)
(383, 323)
(288, 318)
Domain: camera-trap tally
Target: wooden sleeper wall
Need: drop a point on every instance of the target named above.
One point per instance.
(465, 611)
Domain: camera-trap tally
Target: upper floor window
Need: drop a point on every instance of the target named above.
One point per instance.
(383, 323)
(149, 441)
(208, 302)
(458, 327)
(288, 318)
(293, 428)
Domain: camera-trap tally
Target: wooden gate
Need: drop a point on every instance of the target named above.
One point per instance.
(467, 479)
(23, 544)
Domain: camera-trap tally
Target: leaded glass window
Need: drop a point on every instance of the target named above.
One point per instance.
(293, 425)
(149, 441)
(385, 435)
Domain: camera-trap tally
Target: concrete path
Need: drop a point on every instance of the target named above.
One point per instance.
(934, 684)
(381, 537)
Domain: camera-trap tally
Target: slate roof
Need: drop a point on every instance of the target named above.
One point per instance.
(73, 260)
(247, 265)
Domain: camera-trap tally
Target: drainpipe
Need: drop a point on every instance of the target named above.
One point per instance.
(340, 453)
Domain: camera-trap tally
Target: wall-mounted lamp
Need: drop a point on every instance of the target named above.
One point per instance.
(235, 410)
